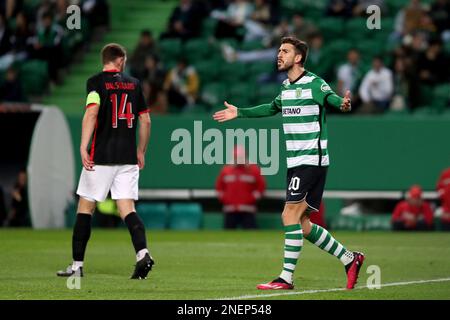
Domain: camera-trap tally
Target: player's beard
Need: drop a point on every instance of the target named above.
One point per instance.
(286, 66)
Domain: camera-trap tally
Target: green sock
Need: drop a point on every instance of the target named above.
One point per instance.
(293, 243)
(323, 239)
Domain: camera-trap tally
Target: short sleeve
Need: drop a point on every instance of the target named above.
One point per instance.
(141, 104)
(92, 93)
(320, 91)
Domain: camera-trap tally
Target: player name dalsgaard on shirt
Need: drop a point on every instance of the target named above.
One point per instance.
(121, 102)
(301, 104)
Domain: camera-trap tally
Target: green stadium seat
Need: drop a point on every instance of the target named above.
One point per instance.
(256, 69)
(154, 215)
(356, 29)
(170, 49)
(185, 216)
(214, 94)
(34, 77)
(347, 223)
(251, 45)
(377, 222)
(267, 93)
(209, 27)
(207, 70)
(331, 28)
(395, 6)
(369, 48)
(213, 220)
(241, 94)
(441, 96)
(233, 72)
(196, 50)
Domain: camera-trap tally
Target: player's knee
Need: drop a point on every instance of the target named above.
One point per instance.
(86, 206)
(292, 213)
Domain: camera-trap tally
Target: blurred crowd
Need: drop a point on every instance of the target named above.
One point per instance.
(37, 31)
(410, 72)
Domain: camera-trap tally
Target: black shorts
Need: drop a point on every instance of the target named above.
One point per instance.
(306, 183)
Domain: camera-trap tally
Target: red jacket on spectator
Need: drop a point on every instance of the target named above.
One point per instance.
(239, 187)
(410, 214)
(319, 217)
(443, 189)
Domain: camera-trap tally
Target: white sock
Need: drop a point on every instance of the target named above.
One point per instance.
(76, 265)
(347, 257)
(141, 254)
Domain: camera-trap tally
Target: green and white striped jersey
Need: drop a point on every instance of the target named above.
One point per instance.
(302, 104)
(304, 123)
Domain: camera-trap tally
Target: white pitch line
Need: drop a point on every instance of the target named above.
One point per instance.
(392, 284)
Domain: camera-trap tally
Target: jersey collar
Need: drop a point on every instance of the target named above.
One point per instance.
(303, 73)
(111, 70)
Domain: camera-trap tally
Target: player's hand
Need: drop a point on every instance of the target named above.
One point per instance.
(86, 159)
(141, 159)
(226, 114)
(346, 105)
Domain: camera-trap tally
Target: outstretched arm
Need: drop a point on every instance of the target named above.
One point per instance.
(344, 104)
(232, 112)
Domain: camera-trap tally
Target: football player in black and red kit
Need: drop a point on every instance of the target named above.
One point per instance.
(111, 163)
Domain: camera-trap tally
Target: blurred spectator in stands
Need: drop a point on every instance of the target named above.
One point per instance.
(19, 215)
(376, 88)
(231, 22)
(319, 216)
(61, 12)
(340, 8)
(258, 26)
(407, 74)
(317, 60)
(22, 38)
(185, 21)
(301, 28)
(409, 19)
(3, 214)
(153, 76)
(400, 99)
(6, 56)
(359, 10)
(433, 65)
(45, 7)
(413, 213)
(155, 97)
(146, 47)
(440, 14)
(349, 75)
(97, 13)
(11, 89)
(271, 43)
(443, 190)
(181, 85)
(9, 8)
(48, 45)
(153, 71)
(239, 186)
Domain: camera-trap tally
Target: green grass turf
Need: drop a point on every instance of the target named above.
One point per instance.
(217, 264)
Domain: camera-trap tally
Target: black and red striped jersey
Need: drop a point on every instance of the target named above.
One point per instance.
(121, 102)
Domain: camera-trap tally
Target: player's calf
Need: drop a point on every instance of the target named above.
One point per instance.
(137, 232)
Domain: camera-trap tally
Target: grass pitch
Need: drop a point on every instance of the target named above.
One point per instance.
(219, 264)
